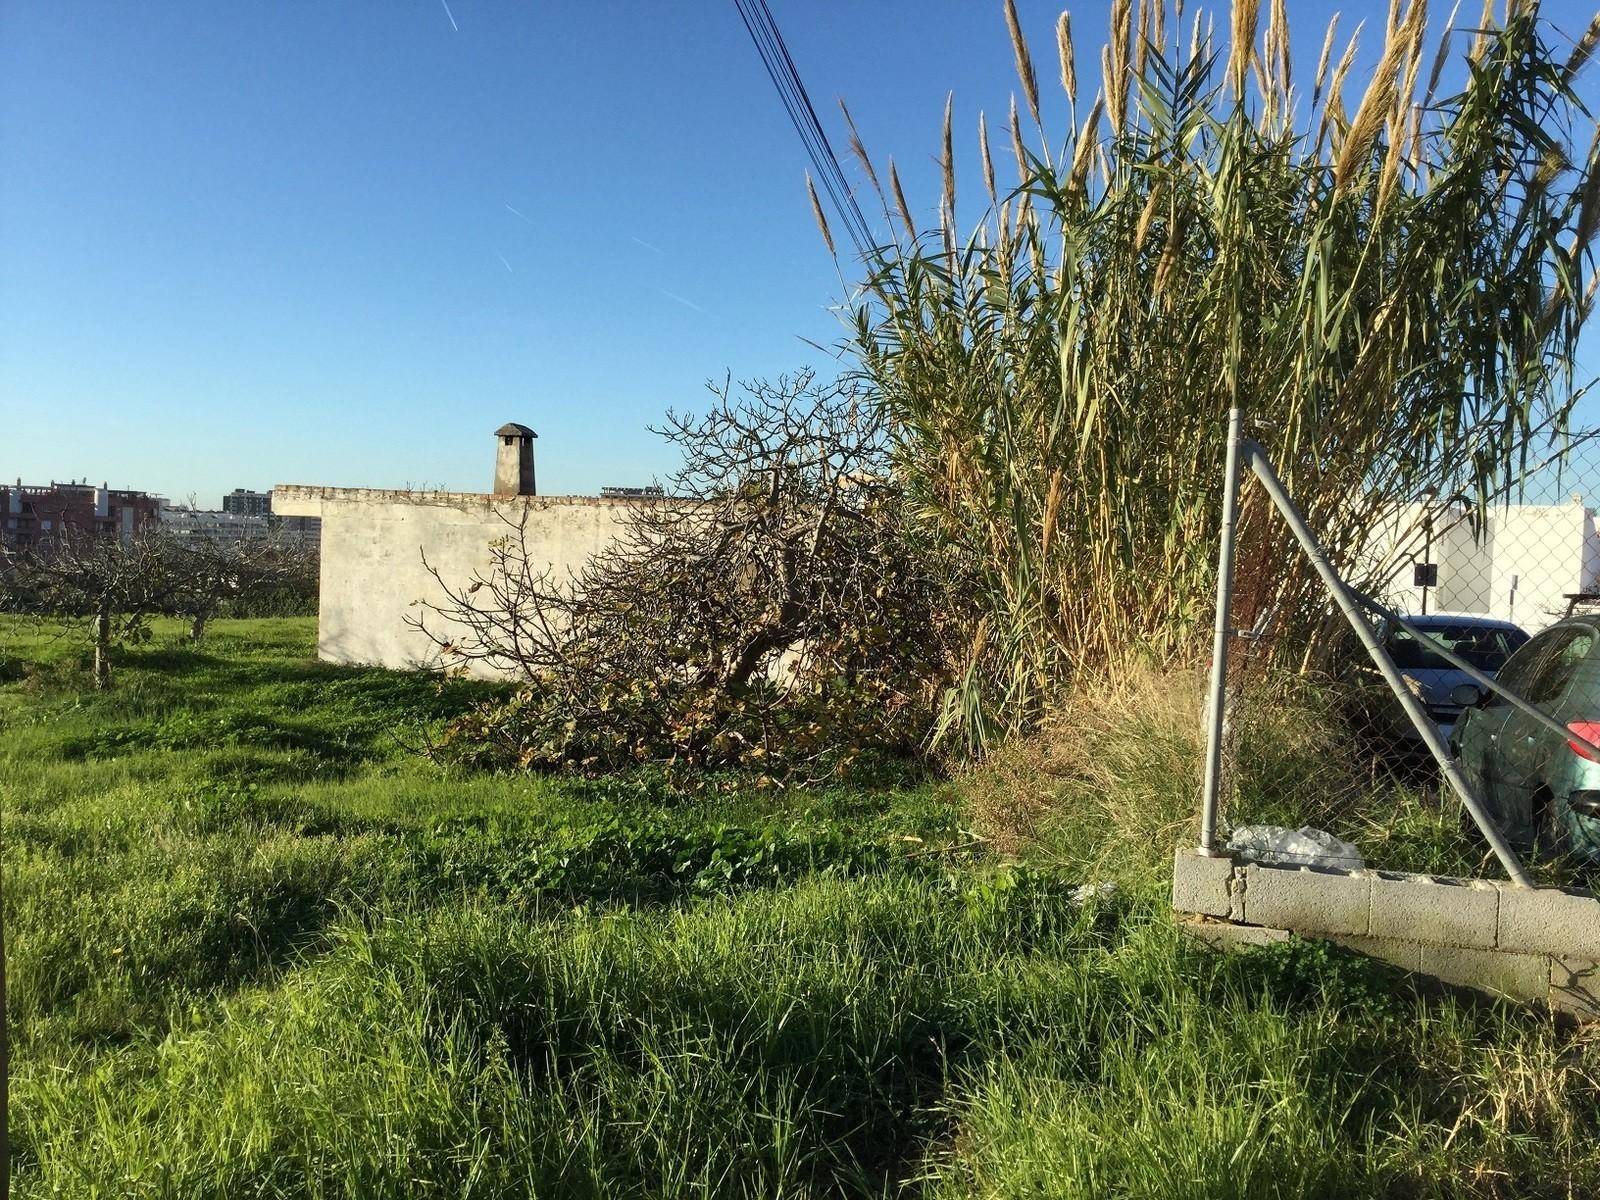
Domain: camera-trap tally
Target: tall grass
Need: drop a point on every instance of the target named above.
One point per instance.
(1107, 783)
(839, 1038)
(1109, 780)
(1388, 280)
(285, 957)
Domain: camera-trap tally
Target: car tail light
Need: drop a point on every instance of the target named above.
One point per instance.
(1589, 731)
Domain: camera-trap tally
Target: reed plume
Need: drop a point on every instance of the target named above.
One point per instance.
(1242, 48)
(1069, 64)
(859, 149)
(1019, 49)
(987, 160)
(901, 207)
(1024, 167)
(816, 211)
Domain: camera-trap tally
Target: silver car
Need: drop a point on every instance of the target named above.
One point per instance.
(1539, 786)
(1446, 690)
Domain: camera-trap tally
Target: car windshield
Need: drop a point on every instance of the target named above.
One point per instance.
(1484, 646)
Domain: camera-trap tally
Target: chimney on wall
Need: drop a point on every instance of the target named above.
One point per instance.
(513, 460)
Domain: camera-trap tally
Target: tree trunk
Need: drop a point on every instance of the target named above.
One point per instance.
(102, 648)
(197, 627)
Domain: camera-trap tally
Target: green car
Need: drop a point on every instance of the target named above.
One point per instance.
(1540, 788)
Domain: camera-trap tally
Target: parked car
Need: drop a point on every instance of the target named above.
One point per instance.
(1444, 689)
(1540, 787)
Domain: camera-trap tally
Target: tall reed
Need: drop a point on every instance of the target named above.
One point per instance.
(1392, 294)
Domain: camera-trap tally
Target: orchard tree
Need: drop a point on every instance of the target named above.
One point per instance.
(202, 575)
(116, 584)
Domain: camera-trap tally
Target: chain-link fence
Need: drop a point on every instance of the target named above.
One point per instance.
(1527, 555)
(1480, 616)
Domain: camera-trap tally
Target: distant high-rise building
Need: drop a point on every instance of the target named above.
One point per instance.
(225, 525)
(245, 503)
(34, 513)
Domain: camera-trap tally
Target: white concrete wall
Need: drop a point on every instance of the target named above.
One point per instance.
(1395, 543)
(1401, 539)
(1519, 568)
(1466, 559)
(372, 544)
(1539, 553)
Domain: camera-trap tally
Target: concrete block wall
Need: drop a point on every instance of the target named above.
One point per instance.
(1538, 945)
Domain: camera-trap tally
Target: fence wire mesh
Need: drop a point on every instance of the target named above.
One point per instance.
(1528, 555)
(1489, 606)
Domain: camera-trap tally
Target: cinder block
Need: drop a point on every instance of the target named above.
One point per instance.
(1550, 921)
(1398, 951)
(1200, 883)
(1221, 936)
(1306, 900)
(1425, 909)
(1514, 976)
(1575, 986)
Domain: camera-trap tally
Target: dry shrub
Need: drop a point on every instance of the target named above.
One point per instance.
(1113, 777)
(1114, 770)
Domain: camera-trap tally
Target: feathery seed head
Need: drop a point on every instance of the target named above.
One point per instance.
(1019, 49)
(1017, 148)
(1069, 66)
(947, 161)
(1242, 50)
(988, 160)
(900, 204)
(1322, 59)
(816, 211)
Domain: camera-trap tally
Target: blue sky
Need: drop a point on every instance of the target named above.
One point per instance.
(340, 241)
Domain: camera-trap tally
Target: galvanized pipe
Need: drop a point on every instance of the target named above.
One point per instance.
(1477, 676)
(1350, 607)
(1216, 699)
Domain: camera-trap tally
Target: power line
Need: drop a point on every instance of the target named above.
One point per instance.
(780, 69)
(775, 57)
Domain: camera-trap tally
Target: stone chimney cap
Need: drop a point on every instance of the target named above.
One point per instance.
(512, 429)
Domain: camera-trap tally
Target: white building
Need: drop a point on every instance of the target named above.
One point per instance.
(211, 524)
(1523, 565)
(219, 525)
(373, 574)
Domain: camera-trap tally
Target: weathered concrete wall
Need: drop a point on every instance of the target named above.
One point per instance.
(372, 544)
(1527, 944)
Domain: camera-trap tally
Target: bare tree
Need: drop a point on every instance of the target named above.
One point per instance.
(116, 584)
(202, 575)
(777, 556)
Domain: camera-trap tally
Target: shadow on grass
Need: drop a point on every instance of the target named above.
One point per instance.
(201, 669)
(186, 730)
(125, 953)
(861, 1051)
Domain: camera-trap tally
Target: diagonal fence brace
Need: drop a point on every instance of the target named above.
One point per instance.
(1244, 451)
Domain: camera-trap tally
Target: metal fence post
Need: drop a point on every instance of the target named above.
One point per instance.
(1217, 699)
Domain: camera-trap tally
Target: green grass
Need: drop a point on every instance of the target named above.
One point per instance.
(259, 947)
